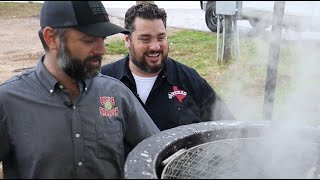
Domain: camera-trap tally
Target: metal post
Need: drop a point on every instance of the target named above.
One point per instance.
(227, 53)
(273, 60)
(223, 38)
(218, 32)
(236, 38)
(137, 2)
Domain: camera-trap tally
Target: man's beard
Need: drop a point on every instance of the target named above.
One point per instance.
(142, 64)
(76, 68)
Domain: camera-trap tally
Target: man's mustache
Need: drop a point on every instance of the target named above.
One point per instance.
(93, 58)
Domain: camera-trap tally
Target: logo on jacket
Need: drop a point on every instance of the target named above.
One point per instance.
(180, 94)
(108, 108)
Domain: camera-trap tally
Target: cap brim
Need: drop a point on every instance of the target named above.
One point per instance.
(102, 29)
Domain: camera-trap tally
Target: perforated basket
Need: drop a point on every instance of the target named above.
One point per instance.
(223, 149)
(239, 158)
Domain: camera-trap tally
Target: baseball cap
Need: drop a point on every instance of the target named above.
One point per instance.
(89, 17)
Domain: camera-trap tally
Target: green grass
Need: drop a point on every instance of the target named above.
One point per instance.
(17, 10)
(193, 48)
(240, 78)
(116, 47)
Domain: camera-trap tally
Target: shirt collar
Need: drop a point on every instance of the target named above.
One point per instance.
(124, 64)
(44, 76)
(169, 71)
(49, 81)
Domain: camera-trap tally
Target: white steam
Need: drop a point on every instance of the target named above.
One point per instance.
(287, 152)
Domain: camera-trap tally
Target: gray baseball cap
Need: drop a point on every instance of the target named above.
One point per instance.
(89, 17)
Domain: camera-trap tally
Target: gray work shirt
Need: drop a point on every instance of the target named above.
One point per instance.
(44, 135)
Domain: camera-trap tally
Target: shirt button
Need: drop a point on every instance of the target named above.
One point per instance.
(79, 163)
(61, 86)
(179, 108)
(77, 135)
(73, 107)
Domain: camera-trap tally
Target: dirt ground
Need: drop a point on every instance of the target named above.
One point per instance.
(20, 46)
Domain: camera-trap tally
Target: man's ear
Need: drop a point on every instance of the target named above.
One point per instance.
(50, 39)
(127, 40)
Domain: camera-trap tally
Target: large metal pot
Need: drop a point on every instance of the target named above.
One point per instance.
(225, 149)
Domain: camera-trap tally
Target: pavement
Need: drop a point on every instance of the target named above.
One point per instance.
(180, 14)
(185, 15)
(189, 15)
(178, 18)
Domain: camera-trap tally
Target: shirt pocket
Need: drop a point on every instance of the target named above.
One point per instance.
(110, 141)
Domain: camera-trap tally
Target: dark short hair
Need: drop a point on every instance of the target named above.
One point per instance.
(144, 10)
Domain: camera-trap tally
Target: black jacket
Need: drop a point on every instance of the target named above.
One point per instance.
(179, 96)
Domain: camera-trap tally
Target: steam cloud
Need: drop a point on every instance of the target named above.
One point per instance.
(287, 150)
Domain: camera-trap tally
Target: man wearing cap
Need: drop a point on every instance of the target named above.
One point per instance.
(63, 119)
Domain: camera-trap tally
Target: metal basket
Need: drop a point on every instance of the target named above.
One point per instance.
(239, 158)
(223, 149)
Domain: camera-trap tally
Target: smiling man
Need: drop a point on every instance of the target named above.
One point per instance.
(172, 93)
(63, 119)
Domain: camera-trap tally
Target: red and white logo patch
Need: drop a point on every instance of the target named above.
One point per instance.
(180, 94)
(108, 108)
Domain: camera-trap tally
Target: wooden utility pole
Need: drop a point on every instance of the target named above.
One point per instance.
(274, 53)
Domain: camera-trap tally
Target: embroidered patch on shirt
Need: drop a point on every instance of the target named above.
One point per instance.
(180, 94)
(108, 108)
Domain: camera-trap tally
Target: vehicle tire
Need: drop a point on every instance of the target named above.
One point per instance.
(211, 18)
(258, 24)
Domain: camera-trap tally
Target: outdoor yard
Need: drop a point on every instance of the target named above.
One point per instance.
(240, 83)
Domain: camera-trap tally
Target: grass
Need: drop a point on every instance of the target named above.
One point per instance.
(193, 48)
(243, 78)
(241, 82)
(17, 10)
(198, 50)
